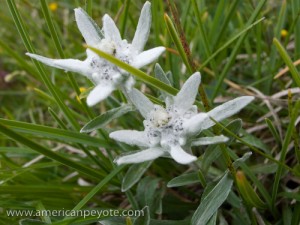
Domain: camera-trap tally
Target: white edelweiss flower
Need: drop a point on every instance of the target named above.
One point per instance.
(106, 76)
(171, 131)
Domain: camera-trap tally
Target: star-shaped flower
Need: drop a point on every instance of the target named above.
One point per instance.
(106, 76)
(171, 131)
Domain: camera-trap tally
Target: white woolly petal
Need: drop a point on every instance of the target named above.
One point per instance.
(111, 32)
(181, 156)
(99, 93)
(130, 137)
(186, 96)
(141, 102)
(209, 140)
(202, 121)
(140, 156)
(147, 57)
(143, 28)
(42, 59)
(193, 125)
(87, 26)
(73, 65)
(226, 110)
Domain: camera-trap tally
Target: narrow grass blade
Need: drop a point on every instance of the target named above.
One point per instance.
(295, 12)
(89, 7)
(58, 46)
(54, 133)
(230, 13)
(206, 43)
(177, 42)
(251, 146)
(274, 64)
(50, 154)
(284, 55)
(273, 131)
(125, 16)
(26, 40)
(284, 149)
(237, 48)
(217, 52)
(97, 188)
(217, 20)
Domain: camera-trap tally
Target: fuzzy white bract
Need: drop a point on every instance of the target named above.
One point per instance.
(171, 131)
(106, 76)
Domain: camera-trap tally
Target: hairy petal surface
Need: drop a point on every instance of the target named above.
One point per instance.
(209, 140)
(143, 28)
(88, 28)
(99, 93)
(181, 156)
(147, 57)
(202, 121)
(140, 156)
(111, 32)
(187, 94)
(130, 137)
(141, 102)
(73, 65)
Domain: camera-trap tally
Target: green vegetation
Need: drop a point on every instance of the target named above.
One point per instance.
(55, 151)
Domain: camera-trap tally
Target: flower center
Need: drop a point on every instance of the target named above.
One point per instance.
(108, 47)
(159, 117)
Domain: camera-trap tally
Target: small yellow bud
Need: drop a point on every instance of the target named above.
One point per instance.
(82, 89)
(284, 33)
(53, 6)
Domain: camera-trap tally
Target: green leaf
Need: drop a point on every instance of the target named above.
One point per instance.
(284, 150)
(237, 163)
(235, 127)
(206, 43)
(250, 145)
(284, 55)
(224, 46)
(173, 33)
(184, 179)
(212, 201)
(152, 197)
(143, 219)
(105, 118)
(161, 75)
(234, 52)
(54, 133)
(134, 174)
(97, 188)
(29, 47)
(50, 154)
(246, 190)
(273, 131)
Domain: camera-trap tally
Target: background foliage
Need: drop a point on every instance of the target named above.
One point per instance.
(238, 46)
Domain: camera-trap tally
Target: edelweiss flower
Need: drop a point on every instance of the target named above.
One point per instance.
(106, 76)
(171, 131)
